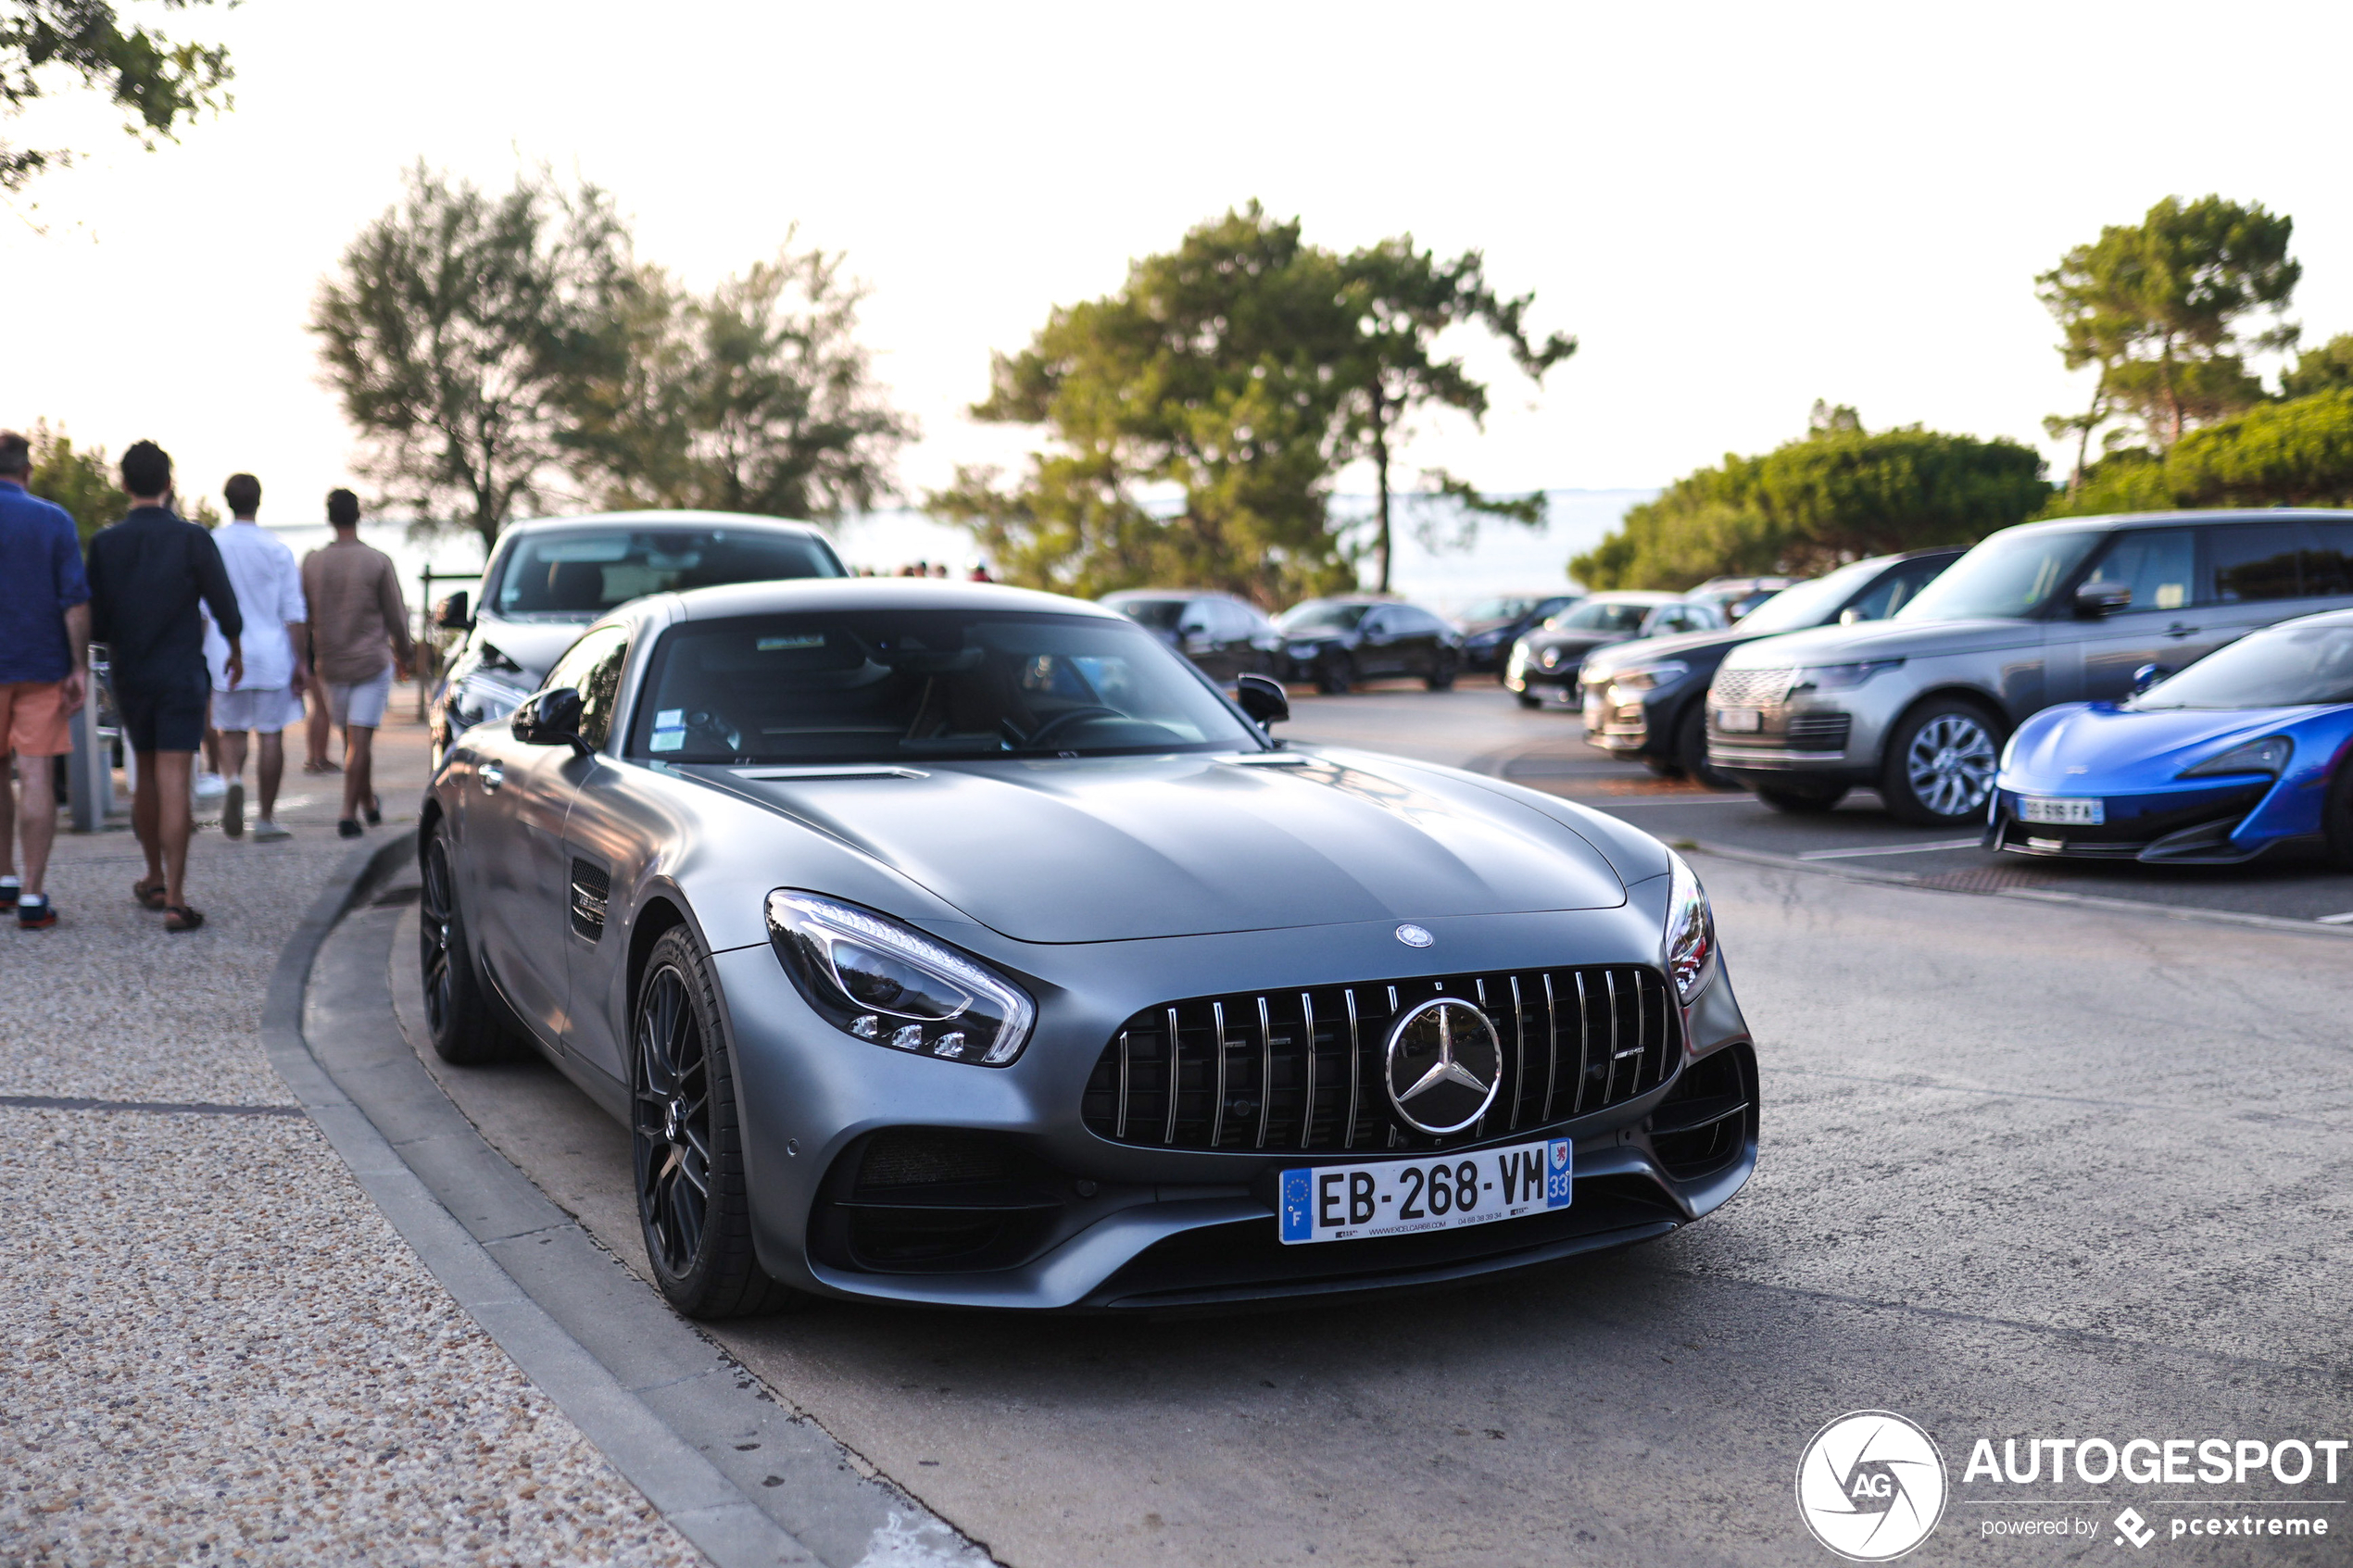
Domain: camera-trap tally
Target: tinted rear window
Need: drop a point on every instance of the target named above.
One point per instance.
(587, 572)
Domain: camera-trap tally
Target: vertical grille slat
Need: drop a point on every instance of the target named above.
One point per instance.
(1573, 1041)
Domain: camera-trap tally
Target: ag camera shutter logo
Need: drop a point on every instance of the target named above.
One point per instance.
(1871, 1485)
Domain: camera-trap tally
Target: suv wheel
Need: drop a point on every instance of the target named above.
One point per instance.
(1691, 749)
(1941, 762)
(1335, 673)
(1800, 802)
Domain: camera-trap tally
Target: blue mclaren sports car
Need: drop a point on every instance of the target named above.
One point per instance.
(2246, 752)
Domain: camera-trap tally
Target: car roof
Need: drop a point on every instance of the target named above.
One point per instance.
(1634, 596)
(800, 594)
(1120, 594)
(662, 518)
(2181, 517)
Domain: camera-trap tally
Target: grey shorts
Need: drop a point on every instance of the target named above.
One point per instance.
(359, 702)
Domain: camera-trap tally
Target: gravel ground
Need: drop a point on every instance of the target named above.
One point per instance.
(213, 1349)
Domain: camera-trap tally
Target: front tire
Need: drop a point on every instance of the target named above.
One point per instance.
(1940, 765)
(1335, 675)
(460, 1016)
(694, 1205)
(1441, 675)
(1691, 749)
(1800, 802)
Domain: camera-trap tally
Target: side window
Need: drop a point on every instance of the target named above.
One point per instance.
(1199, 614)
(1377, 622)
(592, 667)
(2253, 561)
(2328, 559)
(1230, 621)
(2156, 564)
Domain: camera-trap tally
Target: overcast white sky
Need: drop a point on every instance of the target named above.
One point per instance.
(1736, 209)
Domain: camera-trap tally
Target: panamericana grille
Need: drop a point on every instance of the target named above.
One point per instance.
(1749, 688)
(1303, 1070)
(1819, 731)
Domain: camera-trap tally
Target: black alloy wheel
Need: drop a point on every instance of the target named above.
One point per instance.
(1335, 673)
(1799, 800)
(1941, 762)
(693, 1203)
(460, 1016)
(1441, 673)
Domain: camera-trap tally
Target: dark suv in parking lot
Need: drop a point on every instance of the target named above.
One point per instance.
(1549, 657)
(1339, 642)
(1648, 699)
(1919, 706)
(1226, 636)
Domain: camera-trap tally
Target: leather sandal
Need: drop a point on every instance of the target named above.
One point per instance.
(148, 895)
(178, 918)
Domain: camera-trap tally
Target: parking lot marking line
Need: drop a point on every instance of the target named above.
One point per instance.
(1890, 850)
(2345, 918)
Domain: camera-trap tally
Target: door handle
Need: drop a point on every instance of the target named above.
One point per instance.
(492, 776)
(2178, 630)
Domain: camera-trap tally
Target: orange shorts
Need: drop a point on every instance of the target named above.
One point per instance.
(33, 718)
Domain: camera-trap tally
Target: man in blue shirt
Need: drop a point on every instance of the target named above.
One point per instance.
(147, 574)
(44, 663)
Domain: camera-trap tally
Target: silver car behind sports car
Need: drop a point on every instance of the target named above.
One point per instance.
(955, 943)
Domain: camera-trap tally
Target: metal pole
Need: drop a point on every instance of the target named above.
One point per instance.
(90, 774)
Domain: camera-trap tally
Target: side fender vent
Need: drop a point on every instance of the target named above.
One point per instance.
(590, 886)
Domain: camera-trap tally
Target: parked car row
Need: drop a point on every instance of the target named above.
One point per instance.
(1332, 643)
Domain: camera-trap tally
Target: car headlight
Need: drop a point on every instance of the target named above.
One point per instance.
(1518, 665)
(1690, 932)
(1649, 677)
(1840, 677)
(2268, 755)
(878, 981)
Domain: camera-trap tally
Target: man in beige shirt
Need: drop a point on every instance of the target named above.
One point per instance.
(359, 638)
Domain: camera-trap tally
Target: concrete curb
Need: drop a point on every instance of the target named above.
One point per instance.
(2039, 895)
(737, 1475)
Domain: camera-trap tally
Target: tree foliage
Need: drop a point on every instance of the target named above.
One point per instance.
(155, 82)
(2157, 308)
(2296, 452)
(79, 479)
(2319, 370)
(757, 397)
(1197, 417)
(457, 330)
(1837, 494)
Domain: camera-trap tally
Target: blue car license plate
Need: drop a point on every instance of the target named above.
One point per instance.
(2073, 813)
(1440, 1192)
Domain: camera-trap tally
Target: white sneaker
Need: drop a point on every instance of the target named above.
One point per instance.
(267, 832)
(211, 786)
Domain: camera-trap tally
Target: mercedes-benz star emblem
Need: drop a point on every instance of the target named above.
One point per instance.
(1446, 1064)
(1415, 936)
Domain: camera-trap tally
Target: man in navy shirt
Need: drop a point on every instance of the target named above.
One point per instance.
(147, 574)
(44, 663)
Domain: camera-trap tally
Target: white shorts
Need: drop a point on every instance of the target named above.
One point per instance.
(359, 702)
(266, 708)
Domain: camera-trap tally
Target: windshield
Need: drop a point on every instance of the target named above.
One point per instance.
(1322, 615)
(1159, 614)
(2282, 667)
(579, 575)
(1497, 610)
(2009, 576)
(908, 684)
(1810, 604)
(1593, 616)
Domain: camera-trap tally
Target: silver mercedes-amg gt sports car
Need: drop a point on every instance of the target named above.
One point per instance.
(955, 943)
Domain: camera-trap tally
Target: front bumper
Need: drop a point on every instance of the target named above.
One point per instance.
(1826, 738)
(1119, 1226)
(2195, 824)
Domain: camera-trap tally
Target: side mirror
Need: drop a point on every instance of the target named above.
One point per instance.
(2147, 676)
(1263, 698)
(450, 615)
(550, 719)
(2094, 600)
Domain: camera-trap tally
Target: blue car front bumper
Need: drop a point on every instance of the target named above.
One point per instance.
(2204, 823)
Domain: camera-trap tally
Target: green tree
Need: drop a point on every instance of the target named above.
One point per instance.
(2156, 307)
(1837, 494)
(458, 331)
(79, 479)
(1215, 377)
(1404, 299)
(155, 82)
(755, 399)
(2294, 453)
(2319, 370)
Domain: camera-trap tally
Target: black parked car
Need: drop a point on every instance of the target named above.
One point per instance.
(1491, 626)
(1647, 699)
(1549, 657)
(1226, 636)
(1339, 642)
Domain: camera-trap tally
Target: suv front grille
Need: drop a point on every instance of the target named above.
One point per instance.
(1749, 688)
(1304, 1070)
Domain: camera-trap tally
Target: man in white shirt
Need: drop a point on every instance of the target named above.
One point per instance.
(268, 698)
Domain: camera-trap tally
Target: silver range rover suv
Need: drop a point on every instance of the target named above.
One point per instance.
(1919, 706)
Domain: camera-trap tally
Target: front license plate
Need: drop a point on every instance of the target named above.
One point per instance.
(1596, 712)
(2045, 809)
(1732, 720)
(1400, 1197)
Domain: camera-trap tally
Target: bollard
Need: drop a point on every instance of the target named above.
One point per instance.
(90, 772)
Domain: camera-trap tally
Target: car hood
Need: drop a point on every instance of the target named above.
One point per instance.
(534, 645)
(1573, 642)
(2097, 748)
(1122, 849)
(1882, 639)
(1680, 644)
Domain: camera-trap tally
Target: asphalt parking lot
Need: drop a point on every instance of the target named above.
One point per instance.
(2031, 1169)
(1479, 727)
